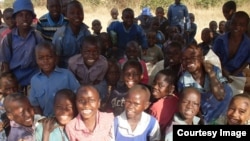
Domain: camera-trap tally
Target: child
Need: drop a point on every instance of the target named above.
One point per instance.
(49, 80)
(133, 123)
(64, 4)
(207, 40)
(188, 107)
(69, 38)
(131, 75)
(164, 92)
(89, 67)
(233, 47)
(192, 31)
(133, 52)
(123, 32)
(23, 121)
(159, 14)
(222, 27)
(10, 22)
(160, 37)
(213, 27)
(238, 112)
(107, 49)
(96, 27)
(114, 14)
(145, 18)
(65, 110)
(18, 55)
(228, 9)
(53, 20)
(90, 124)
(207, 78)
(154, 53)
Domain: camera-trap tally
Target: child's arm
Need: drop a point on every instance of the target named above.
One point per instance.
(215, 85)
(239, 70)
(48, 127)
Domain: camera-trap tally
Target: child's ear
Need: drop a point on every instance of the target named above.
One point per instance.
(147, 105)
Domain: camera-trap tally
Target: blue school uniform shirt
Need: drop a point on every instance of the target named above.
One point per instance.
(211, 108)
(123, 36)
(221, 49)
(44, 88)
(177, 15)
(67, 44)
(48, 27)
(21, 58)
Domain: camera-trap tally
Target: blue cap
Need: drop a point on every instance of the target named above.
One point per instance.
(20, 5)
(146, 11)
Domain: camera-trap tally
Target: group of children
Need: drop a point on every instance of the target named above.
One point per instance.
(60, 82)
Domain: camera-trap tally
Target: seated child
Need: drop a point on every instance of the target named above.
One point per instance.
(207, 78)
(159, 14)
(134, 123)
(238, 112)
(51, 21)
(213, 27)
(96, 27)
(207, 40)
(53, 129)
(164, 92)
(131, 75)
(69, 38)
(107, 50)
(160, 37)
(23, 121)
(133, 52)
(222, 27)
(90, 124)
(89, 67)
(49, 80)
(188, 107)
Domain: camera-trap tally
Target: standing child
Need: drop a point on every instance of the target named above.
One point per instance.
(123, 32)
(53, 20)
(213, 27)
(164, 92)
(134, 123)
(18, 51)
(89, 67)
(69, 38)
(228, 9)
(192, 31)
(23, 121)
(96, 27)
(188, 108)
(207, 40)
(159, 14)
(9, 20)
(114, 16)
(90, 124)
(49, 80)
(222, 27)
(238, 112)
(65, 110)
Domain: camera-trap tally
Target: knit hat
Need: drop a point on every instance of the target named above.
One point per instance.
(146, 11)
(20, 5)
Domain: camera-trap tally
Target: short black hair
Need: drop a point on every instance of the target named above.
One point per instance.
(128, 10)
(230, 5)
(171, 77)
(93, 40)
(9, 75)
(133, 63)
(74, 3)
(9, 99)
(45, 45)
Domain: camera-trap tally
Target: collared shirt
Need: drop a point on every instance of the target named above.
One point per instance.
(58, 134)
(67, 44)
(147, 127)
(77, 130)
(210, 106)
(177, 120)
(87, 75)
(48, 27)
(21, 58)
(44, 88)
(176, 14)
(221, 49)
(19, 132)
(164, 109)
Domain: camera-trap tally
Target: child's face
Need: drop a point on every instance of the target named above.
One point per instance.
(54, 8)
(106, 41)
(213, 26)
(173, 56)
(64, 110)
(239, 25)
(206, 36)
(128, 19)
(114, 14)
(151, 40)
(8, 86)
(22, 113)
(222, 26)
(135, 104)
(161, 87)
(238, 111)
(7, 17)
(132, 76)
(132, 52)
(192, 18)
(64, 6)
(87, 102)
(228, 13)
(24, 19)
(113, 74)
(46, 60)
(159, 13)
(191, 60)
(189, 105)
(75, 15)
(96, 27)
(90, 54)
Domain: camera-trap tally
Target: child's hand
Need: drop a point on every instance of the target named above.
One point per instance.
(49, 125)
(208, 66)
